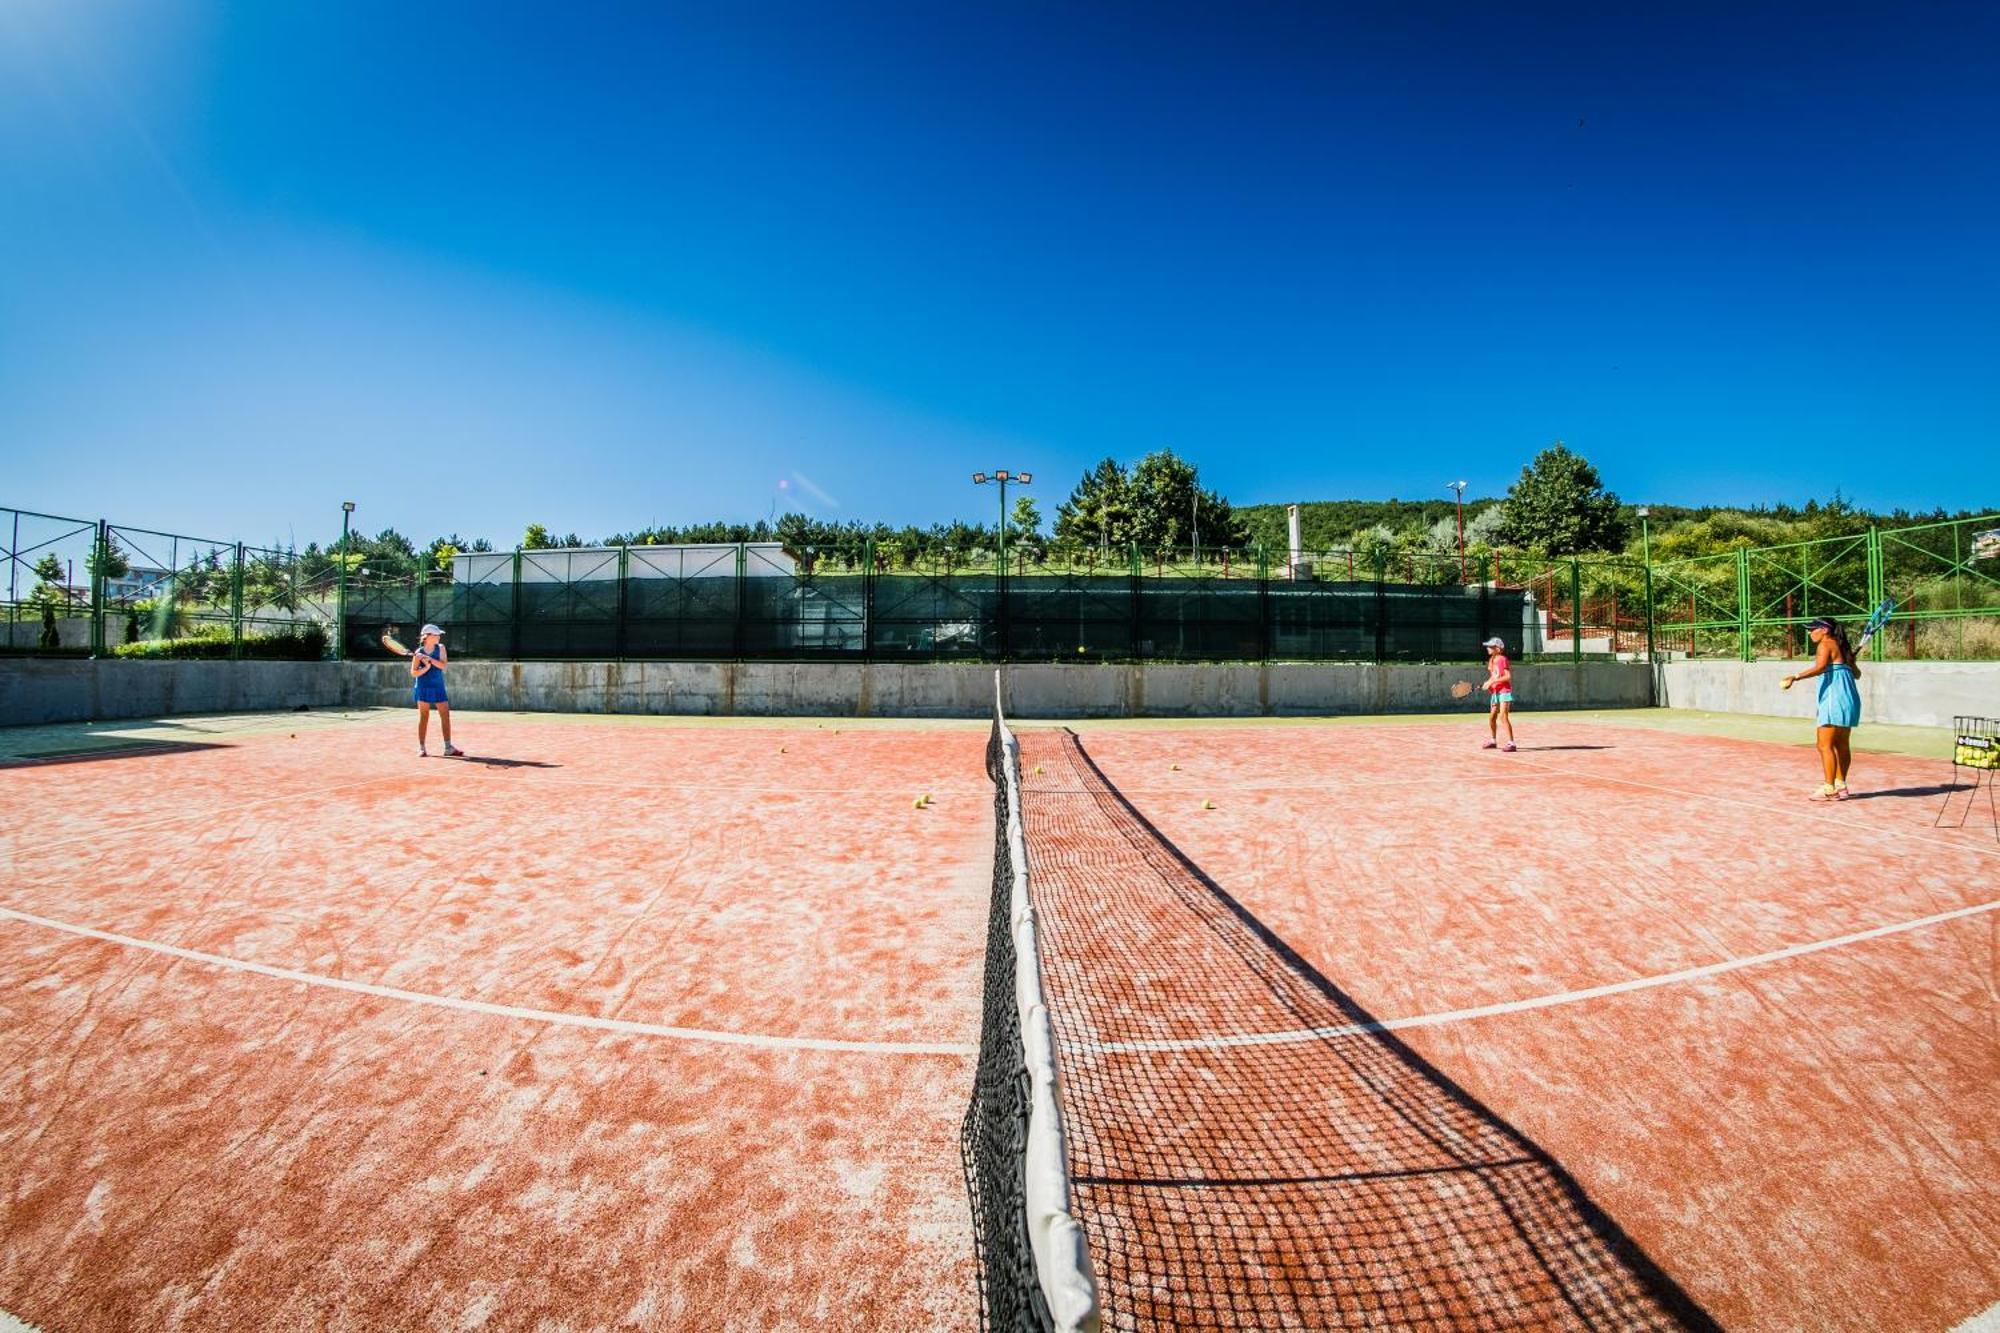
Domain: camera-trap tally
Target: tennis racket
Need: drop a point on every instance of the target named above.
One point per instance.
(1461, 688)
(390, 642)
(1876, 620)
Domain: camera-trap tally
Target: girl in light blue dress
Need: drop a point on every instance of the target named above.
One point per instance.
(1839, 704)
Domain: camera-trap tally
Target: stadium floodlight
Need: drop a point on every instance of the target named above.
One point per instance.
(1003, 476)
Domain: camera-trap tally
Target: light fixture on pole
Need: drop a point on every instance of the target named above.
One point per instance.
(340, 603)
(1003, 476)
(1458, 487)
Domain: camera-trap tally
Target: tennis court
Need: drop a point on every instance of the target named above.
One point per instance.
(665, 1023)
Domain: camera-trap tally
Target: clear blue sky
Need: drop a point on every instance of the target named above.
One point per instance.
(595, 266)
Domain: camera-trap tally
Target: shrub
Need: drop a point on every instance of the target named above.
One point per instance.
(212, 643)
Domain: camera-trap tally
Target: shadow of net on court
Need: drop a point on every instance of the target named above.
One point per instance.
(1322, 1177)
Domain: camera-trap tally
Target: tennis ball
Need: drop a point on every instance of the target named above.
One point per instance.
(917, 804)
(781, 749)
(1038, 768)
(1208, 805)
(1080, 648)
(1177, 768)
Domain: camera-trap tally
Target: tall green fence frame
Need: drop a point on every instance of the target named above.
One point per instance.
(884, 603)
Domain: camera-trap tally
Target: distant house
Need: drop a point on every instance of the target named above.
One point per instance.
(137, 584)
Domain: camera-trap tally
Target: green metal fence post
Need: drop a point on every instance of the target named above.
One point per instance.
(868, 601)
(742, 562)
(1575, 610)
(624, 575)
(1267, 633)
(1136, 563)
(1743, 604)
(1876, 590)
(1381, 604)
(97, 581)
(340, 598)
(1486, 600)
(1646, 555)
(514, 615)
(236, 606)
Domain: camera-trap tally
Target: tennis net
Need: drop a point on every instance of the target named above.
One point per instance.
(1034, 1274)
(1248, 1148)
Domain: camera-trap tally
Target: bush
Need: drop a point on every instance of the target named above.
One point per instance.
(212, 643)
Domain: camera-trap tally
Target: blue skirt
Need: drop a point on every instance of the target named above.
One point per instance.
(429, 688)
(1839, 698)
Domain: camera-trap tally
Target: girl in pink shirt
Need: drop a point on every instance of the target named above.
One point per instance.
(1499, 687)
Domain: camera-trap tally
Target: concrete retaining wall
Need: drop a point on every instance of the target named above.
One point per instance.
(83, 690)
(34, 691)
(1917, 694)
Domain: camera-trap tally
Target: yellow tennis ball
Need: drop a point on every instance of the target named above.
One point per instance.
(1177, 768)
(1208, 805)
(1080, 648)
(918, 803)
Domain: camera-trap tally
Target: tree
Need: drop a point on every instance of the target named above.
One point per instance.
(1560, 507)
(1025, 524)
(536, 538)
(51, 586)
(1171, 509)
(1158, 503)
(1098, 511)
(114, 564)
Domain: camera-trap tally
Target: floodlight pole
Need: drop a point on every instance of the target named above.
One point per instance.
(1646, 558)
(340, 604)
(1458, 487)
(1003, 476)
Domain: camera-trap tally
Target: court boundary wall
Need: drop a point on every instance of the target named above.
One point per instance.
(79, 690)
(1915, 694)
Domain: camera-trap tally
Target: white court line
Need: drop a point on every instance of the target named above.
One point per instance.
(1987, 1321)
(1539, 1001)
(550, 1016)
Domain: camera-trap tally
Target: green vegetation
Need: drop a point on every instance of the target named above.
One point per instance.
(307, 643)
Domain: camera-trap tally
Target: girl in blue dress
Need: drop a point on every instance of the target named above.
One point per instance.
(1839, 703)
(427, 667)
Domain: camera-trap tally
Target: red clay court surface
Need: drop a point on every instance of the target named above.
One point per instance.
(654, 1026)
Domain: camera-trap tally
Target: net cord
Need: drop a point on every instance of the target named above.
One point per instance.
(1062, 1258)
